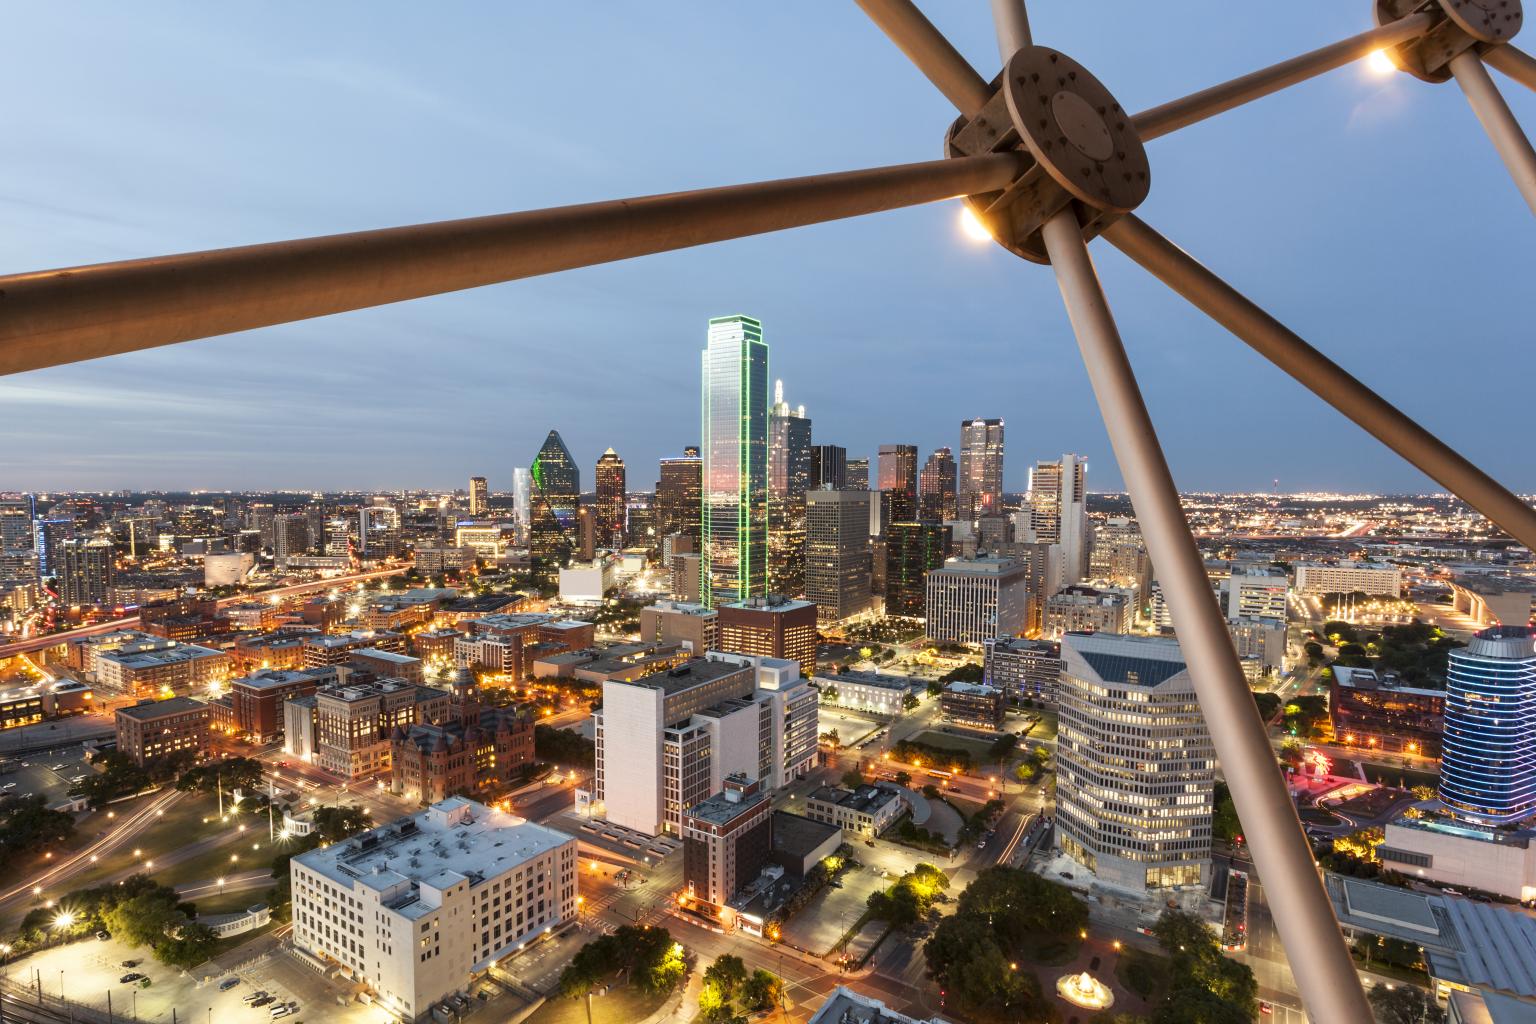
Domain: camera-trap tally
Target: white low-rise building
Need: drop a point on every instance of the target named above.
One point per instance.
(1349, 577)
(866, 691)
(418, 908)
(589, 582)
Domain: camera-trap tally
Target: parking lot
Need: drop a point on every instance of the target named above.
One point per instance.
(832, 912)
(48, 773)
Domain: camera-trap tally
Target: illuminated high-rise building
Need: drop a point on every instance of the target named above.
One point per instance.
(897, 481)
(85, 571)
(1136, 767)
(829, 466)
(837, 562)
(50, 535)
(555, 495)
(981, 468)
(936, 488)
(789, 477)
(856, 474)
(609, 481)
(1488, 749)
(522, 497)
(734, 527)
(1058, 511)
(679, 495)
(479, 496)
(911, 551)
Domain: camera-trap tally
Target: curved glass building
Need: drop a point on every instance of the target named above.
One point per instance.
(1488, 760)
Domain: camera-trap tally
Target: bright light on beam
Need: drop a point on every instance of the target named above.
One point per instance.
(1379, 63)
(974, 229)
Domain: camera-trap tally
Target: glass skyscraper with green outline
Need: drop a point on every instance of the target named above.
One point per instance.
(734, 517)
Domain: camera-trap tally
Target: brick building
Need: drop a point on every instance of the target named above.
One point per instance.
(154, 730)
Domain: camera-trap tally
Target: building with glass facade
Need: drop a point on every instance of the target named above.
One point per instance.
(911, 551)
(1488, 752)
(679, 496)
(734, 525)
(897, 469)
(837, 561)
(789, 478)
(1136, 768)
(555, 494)
(610, 509)
(936, 487)
(981, 468)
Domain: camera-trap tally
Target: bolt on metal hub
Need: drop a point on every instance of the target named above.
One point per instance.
(1084, 149)
(1464, 25)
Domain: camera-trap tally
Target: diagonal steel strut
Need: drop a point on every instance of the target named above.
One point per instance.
(1303, 915)
(52, 317)
(1515, 63)
(915, 36)
(1322, 376)
(1188, 110)
(1498, 121)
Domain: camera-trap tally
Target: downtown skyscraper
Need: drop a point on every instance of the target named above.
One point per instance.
(610, 511)
(555, 495)
(837, 559)
(734, 525)
(789, 478)
(679, 496)
(981, 468)
(936, 501)
(897, 479)
(1058, 511)
(479, 497)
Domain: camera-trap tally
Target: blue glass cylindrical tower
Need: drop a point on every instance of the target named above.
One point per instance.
(1488, 760)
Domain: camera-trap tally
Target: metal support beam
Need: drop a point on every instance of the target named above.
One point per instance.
(1322, 376)
(1313, 943)
(1515, 63)
(927, 48)
(1011, 21)
(1498, 121)
(52, 317)
(1181, 113)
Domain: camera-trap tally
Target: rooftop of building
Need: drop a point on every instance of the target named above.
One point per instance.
(691, 673)
(351, 690)
(1501, 642)
(1021, 645)
(1465, 942)
(988, 565)
(389, 656)
(357, 636)
(1370, 679)
(1494, 583)
(567, 624)
(960, 686)
(775, 603)
(1521, 837)
(272, 678)
(1344, 563)
(870, 679)
(513, 620)
(865, 799)
(149, 710)
(1127, 660)
(725, 807)
(845, 1006)
(167, 653)
(796, 835)
(452, 840)
(682, 607)
(1079, 594)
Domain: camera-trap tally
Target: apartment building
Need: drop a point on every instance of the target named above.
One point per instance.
(155, 730)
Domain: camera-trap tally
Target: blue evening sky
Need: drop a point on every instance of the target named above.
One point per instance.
(1369, 213)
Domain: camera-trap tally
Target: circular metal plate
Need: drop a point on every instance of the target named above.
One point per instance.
(1487, 21)
(1076, 131)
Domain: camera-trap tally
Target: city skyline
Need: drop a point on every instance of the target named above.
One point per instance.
(861, 311)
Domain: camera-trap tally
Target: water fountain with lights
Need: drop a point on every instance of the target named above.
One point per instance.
(1085, 990)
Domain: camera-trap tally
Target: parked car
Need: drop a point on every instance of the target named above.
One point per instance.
(251, 997)
(130, 963)
(280, 1010)
(103, 935)
(130, 978)
(262, 1000)
(228, 983)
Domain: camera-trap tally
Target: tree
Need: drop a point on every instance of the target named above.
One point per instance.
(230, 773)
(934, 688)
(829, 695)
(333, 824)
(909, 701)
(903, 778)
(562, 746)
(144, 919)
(1268, 704)
(853, 778)
(723, 983)
(118, 776)
(27, 826)
(1225, 824)
(1002, 747)
(762, 991)
(192, 944)
(1204, 986)
(1404, 1004)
